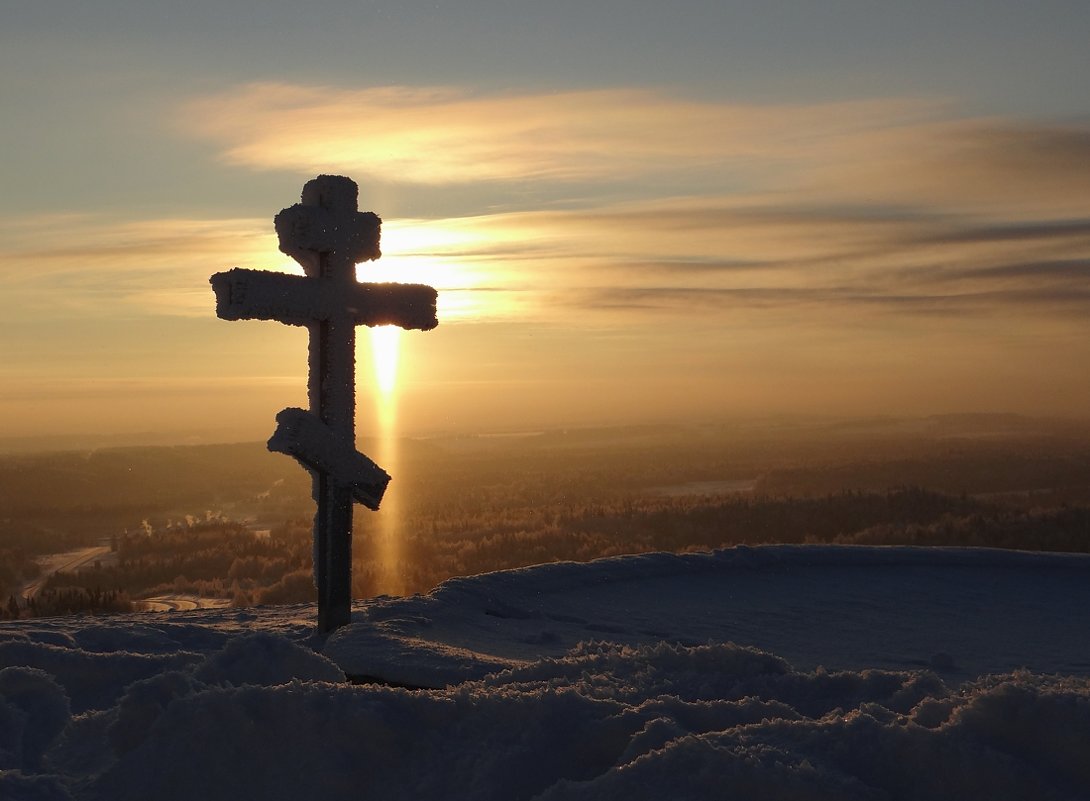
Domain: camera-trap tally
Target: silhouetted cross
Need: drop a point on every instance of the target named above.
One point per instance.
(328, 236)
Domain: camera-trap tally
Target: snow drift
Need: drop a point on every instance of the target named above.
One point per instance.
(494, 688)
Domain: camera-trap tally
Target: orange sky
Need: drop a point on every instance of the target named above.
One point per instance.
(604, 252)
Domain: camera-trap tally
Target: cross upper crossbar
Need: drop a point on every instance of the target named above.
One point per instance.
(296, 300)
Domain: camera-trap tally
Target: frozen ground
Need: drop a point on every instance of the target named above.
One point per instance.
(781, 672)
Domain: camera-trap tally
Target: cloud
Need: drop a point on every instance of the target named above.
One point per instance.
(97, 266)
(615, 227)
(830, 303)
(696, 259)
(878, 207)
(869, 152)
(706, 258)
(994, 166)
(1077, 229)
(1071, 270)
(444, 134)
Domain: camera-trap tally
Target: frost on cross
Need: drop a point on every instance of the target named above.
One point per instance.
(328, 236)
(326, 221)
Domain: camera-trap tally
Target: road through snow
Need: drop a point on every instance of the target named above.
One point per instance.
(67, 561)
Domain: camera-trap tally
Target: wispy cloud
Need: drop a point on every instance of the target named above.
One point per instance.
(894, 207)
(706, 257)
(989, 166)
(895, 151)
(92, 265)
(877, 207)
(438, 135)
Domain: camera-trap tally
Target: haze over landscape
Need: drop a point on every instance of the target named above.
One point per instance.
(632, 211)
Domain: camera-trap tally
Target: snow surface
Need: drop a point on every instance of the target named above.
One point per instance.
(777, 672)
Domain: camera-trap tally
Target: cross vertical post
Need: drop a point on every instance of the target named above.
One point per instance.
(328, 236)
(332, 391)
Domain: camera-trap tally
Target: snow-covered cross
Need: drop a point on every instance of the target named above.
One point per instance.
(328, 236)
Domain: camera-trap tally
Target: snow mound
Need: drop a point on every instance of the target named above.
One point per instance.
(779, 673)
(616, 722)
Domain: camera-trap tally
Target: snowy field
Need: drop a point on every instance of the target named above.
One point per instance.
(779, 672)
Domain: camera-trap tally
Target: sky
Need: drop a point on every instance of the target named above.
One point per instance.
(633, 211)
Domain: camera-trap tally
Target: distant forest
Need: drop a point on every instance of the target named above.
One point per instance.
(234, 521)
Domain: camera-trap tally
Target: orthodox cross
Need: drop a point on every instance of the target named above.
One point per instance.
(328, 236)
